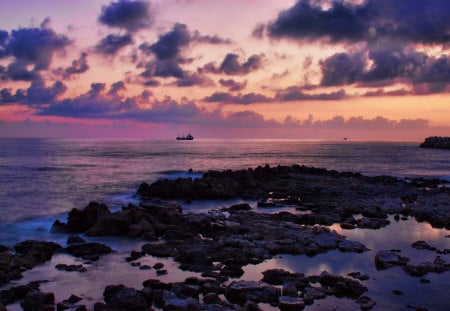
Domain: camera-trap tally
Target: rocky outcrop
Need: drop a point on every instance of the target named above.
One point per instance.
(24, 256)
(436, 142)
(388, 259)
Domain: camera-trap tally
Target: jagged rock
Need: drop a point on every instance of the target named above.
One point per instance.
(289, 289)
(438, 266)
(365, 303)
(88, 251)
(289, 303)
(339, 286)
(178, 304)
(241, 291)
(240, 207)
(387, 259)
(423, 245)
(119, 297)
(70, 268)
(37, 300)
(80, 221)
(74, 239)
(436, 142)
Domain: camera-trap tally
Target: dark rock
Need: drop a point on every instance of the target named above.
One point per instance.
(436, 142)
(158, 265)
(70, 268)
(88, 251)
(119, 297)
(109, 225)
(81, 308)
(289, 303)
(351, 246)
(144, 267)
(80, 221)
(425, 281)
(365, 303)
(280, 276)
(15, 293)
(37, 300)
(241, 291)
(289, 289)
(178, 304)
(388, 259)
(438, 266)
(359, 276)
(240, 207)
(74, 299)
(161, 272)
(74, 239)
(423, 245)
(211, 298)
(339, 286)
(397, 292)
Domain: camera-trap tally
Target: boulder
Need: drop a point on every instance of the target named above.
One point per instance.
(82, 220)
(289, 303)
(37, 300)
(178, 304)
(387, 259)
(88, 251)
(241, 291)
(119, 297)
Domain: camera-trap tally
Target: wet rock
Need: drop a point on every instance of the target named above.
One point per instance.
(397, 292)
(387, 259)
(365, 303)
(241, 291)
(423, 245)
(289, 289)
(109, 225)
(351, 246)
(212, 298)
(88, 251)
(280, 276)
(119, 297)
(178, 304)
(312, 293)
(339, 286)
(425, 281)
(437, 142)
(359, 276)
(371, 223)
(438, 266)
(74, 239)
(15, 293)
(41, 251)
(37, 300)
(70, 268)
(289, 303)
(240, 207)
(82, 220)
(158, 266)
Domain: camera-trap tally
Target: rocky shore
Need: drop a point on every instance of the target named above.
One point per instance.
(436, 142)
(219, 244)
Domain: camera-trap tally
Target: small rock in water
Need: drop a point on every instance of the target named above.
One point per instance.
(158, 265)
(366, 303)
(397, 292)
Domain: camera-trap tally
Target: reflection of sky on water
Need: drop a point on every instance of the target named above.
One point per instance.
(398, 235)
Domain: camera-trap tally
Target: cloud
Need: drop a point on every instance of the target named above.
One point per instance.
(233, 85)
(342, 68)
(34, 46)
(297, 94)
(197, 37)
(372, 21)
(191, 79)
(116, 87)
(169, 45)
(18, 71)
(232, 66)
(113, 43)
(241, 99)
(3, 37)
(78, 66)
(164, 69)
(36, 95)
(125, 14)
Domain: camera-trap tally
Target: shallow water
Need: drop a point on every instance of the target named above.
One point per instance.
(42, 179)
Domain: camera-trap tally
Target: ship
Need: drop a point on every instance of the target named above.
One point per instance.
(187, 137)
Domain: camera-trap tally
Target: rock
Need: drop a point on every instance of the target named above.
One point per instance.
(438, 266)
(119, 297)
(339, 286)
(36, 300)
(80, 221)
(436, 142)
(88, 251)
(241, 291)
(425, 281)
(158, 266)
(178, 304)
(397, 292)
(109, 225)
(41, 251)
(240, 207)
(387, 259)
(289, 303)
(423, 245)
(371, 223)
(211, 298)
(15, 293)
(70, 268)
(289, 289)
(365, 303)
(351, 246)
(74, 239)
(280, 276)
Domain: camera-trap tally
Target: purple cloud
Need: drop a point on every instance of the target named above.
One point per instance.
(78, 66)
(125, 14)
(113, 43)
(233, 86)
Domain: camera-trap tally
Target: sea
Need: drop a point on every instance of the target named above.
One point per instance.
(42, 179)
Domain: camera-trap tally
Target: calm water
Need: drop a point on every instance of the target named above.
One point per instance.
(42, 179)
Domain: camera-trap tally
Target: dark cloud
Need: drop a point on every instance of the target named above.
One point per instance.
(191, 79)
(7, 97)
(165, 69)
(18, 71)
(3, 37)
(169, 45)
(241, 99)
(197, 37)
(233, 86)
(36, 95)
(151, 82)
(342, 68)
(125, 14)
(113, 43)
(381, 21)
(297, 94)
(116, 87)
(232, 66)
(78, 66)
(35, 46)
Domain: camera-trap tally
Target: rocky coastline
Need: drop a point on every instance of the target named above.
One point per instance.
(436, 142)
(220, 243)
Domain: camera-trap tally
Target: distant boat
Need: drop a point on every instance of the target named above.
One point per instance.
(345, 138)
(187, 137)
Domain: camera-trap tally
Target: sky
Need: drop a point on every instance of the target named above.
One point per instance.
(305, 69)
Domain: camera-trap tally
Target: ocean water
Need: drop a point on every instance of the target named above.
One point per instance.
(42, 179)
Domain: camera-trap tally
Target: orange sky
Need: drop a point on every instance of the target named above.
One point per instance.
(278, 69)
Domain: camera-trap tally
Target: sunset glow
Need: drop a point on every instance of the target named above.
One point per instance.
(305, 69)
